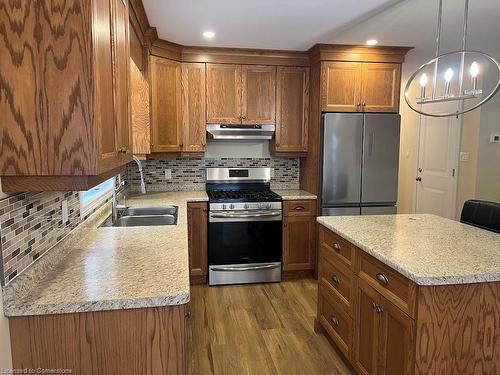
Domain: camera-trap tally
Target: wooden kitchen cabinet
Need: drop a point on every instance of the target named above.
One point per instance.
(166, 117)
(384, 335)
(340, 86)
(292, 110)
(360, 87)
(197, 241)
(129, 341)
(193, 107)
(299, 235)
(224, 94)
(258, 94)
(67, 124)
(380, 85)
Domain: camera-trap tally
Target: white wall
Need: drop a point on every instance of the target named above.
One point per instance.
(5, 356)
(488, 154)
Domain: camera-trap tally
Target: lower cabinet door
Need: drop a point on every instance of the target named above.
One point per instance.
(367, 320)
(335, 321)
(299, 238)
(396, 341)
(197, 238)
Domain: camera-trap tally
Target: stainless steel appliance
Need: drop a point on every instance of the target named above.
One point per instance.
(240, 132)
(244, 227)
(360, 161)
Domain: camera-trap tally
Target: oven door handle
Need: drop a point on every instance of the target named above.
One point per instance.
(251, 268)
(244, 216)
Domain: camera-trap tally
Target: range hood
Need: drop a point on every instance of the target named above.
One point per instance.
(240, 132)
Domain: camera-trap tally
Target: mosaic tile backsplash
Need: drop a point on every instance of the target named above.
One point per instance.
(31, 223)
(189, 173)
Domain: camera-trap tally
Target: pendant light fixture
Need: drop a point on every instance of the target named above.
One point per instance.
(467, 77)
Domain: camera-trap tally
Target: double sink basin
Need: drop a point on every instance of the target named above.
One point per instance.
(143, 216)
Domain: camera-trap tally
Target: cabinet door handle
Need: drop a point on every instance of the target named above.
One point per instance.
(374, 305)
(336, 279)
(299, 208)
(189, 314)
(382, 279)
(334, 320)
(336, 246)
(380, 310)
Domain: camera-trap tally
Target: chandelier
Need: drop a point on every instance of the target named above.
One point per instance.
(469, 78)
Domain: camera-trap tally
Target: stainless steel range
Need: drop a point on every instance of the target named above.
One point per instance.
(244, 227)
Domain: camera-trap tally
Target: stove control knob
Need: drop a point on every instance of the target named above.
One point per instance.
(245, 206)
(223, 206)
(268, 206)
(231, 206)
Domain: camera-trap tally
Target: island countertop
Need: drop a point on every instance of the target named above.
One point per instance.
(113, 268)
(427, 249)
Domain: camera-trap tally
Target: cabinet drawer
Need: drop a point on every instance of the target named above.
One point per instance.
(388, 282)
(339, 280)
(336, 248)
(299, 208)
(336, 322)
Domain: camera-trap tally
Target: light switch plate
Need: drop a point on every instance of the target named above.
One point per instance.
(495, 138)
(64, 211)
(168, 174)
(464, 156)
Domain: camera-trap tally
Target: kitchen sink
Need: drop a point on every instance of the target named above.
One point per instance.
(143, 216)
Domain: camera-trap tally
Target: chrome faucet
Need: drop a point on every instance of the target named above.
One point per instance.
(139, 165)
(117, 189)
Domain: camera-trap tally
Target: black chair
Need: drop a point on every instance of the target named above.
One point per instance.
(482, 214)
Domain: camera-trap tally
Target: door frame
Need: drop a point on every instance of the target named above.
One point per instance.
(456, 163)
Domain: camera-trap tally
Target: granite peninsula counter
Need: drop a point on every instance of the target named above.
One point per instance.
(112, 268)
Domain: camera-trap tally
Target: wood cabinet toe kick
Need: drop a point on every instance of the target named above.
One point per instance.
(384, 323)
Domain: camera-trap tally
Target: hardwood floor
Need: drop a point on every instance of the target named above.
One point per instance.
(258, 329)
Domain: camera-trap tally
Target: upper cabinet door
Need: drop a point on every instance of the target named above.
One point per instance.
(292, 109)
(380, 87)
(121, 61)
(223, 94)
(166, 132)
(193, 107)
(258, 96)
(340, 91)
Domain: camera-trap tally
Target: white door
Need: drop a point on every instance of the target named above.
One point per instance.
(437, 166)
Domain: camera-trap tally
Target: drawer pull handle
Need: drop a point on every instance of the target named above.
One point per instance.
(382, 279)
(336, 246)
(334, 320)
(377, 308)
(336, 279)
(299, 208)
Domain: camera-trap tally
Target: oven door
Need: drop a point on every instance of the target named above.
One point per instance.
(244, 246)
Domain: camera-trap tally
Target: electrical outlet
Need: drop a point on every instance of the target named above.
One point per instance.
(168, 174)
(464, 156)
(495, 138)
(64, 209)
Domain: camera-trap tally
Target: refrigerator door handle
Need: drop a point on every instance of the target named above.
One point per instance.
(371, 140)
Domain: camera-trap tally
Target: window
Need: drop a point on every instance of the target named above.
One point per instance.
(93, 198)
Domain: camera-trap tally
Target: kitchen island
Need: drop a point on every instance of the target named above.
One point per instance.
(410, 294)
(107, 299)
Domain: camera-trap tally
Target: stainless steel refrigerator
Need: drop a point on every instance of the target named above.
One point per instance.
(360, 161)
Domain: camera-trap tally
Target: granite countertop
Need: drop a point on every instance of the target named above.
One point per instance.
(118, 268)
(291, 195)
(427, 249)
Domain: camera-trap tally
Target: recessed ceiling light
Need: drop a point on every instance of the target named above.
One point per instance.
(371, 42)
(208, 34)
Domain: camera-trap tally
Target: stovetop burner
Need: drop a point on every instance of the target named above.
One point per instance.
(243, 196)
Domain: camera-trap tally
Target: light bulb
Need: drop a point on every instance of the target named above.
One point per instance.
(423, 80)
(208, 34)
(448, 75)
(474, 69)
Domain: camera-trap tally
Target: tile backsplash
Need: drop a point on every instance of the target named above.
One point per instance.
(31, 223)
(189, 173)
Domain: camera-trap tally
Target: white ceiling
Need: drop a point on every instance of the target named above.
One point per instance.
(298, 24)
